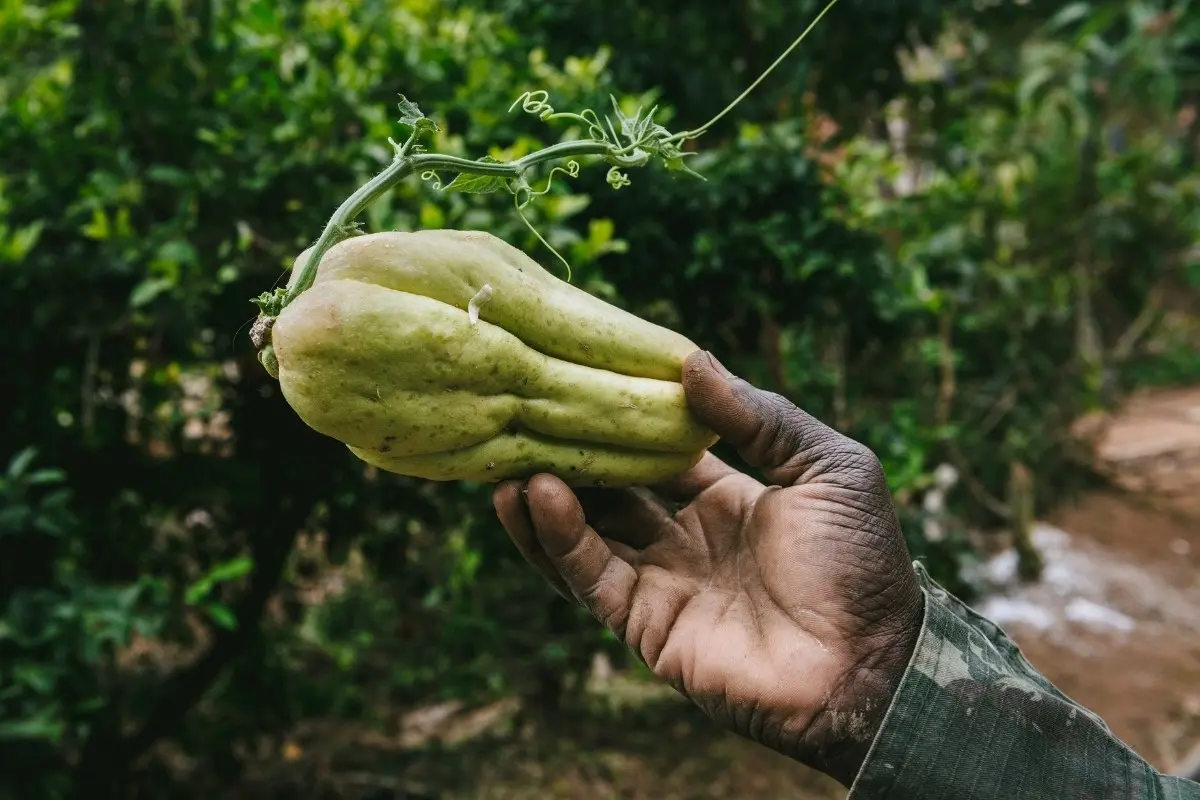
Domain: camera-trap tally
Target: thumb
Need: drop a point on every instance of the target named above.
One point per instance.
(769, 432)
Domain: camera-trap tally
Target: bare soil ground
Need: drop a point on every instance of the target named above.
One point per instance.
(1114, 622)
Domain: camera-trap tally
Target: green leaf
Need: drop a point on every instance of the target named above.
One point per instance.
(90, 706)
(1069, 15)
(673, 158)
(197, 591)
(99, 228)
(21, 462)
(48, 526)
(21, 242)
(35, 728)
(178, 251)
(477, 184)
(628, 125)
(146, 291)
(172, 176)
(235, 568)
(412, 116)
(220, 573)
(43, 476)
(222, 616)
(1032, 83)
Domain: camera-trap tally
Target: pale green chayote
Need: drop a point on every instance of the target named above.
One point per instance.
(451, 355)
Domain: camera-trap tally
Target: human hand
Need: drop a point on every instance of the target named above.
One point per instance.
(787, 613)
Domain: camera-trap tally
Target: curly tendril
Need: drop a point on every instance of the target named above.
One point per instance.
(595, 129)
(521, 213)
(617, 179)
(522, 195)
(431, 175)
(571, 171)
(537, 103)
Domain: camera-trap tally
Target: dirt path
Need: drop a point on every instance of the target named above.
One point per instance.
(1115, 622)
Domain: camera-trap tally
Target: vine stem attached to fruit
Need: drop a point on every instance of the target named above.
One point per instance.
(631, 142)
(406, 163)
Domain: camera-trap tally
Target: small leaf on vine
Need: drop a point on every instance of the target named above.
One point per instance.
(270, 303)
(412, 116)
(673, 158)
(350, 230)
(477, 184)
(627, 124)
(648, 127)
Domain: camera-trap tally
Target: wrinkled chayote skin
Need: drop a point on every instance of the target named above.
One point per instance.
(382, 353)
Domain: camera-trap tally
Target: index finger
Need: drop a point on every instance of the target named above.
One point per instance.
(602, 581)
(514, 516)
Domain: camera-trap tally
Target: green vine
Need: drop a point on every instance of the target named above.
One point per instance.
(623, 142)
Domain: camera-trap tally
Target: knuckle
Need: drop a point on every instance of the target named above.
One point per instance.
(617, 623)
(600, 597)
(590, 596)
(855, 461)
(784, 426)
(789, 435)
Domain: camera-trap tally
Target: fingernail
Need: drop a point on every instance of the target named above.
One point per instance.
(717, 365)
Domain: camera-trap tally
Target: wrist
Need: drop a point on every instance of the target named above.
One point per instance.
(841, 734)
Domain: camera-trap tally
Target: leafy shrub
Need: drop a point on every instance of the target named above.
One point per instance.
(201, 568)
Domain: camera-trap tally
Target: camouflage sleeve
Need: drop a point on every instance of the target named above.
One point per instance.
(972, 719)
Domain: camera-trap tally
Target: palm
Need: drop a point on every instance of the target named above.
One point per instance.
(773, 608)
(752, 614)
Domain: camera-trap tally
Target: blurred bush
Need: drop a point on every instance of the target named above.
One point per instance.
(945, 229)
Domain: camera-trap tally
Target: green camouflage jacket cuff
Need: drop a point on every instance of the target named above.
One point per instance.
(972, 719)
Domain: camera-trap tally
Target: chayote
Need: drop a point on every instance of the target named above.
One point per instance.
(451, 355)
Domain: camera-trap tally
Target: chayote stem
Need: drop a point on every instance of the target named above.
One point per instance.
(406, 164)
(335, 229)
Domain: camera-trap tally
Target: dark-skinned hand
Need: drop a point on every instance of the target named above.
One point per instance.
(786, 612)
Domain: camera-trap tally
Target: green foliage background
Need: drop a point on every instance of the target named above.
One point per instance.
(167, 524)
